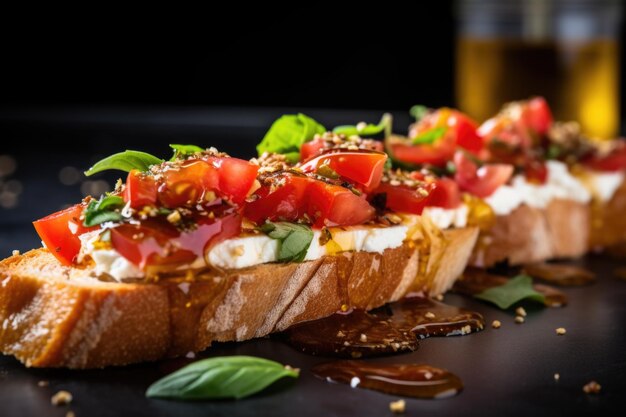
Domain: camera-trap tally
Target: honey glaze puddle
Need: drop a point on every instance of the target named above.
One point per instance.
(474, 281)
(387, 330)
(560, 274)
(409, 380)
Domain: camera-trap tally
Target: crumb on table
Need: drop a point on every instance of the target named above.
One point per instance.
(61, 398)
(397, 407)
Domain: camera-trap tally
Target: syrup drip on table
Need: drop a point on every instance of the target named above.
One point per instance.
(419, 381)
(387, 330)
(475, 281)
(560, 274)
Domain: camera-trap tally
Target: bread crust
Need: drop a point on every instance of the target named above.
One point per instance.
(53, 316)
(608, 220)
(529, 234)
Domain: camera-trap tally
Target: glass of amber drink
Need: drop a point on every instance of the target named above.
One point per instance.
(566, 51)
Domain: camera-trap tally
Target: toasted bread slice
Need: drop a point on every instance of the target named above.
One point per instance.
(608, 221)
(529, 234)
(56, 316)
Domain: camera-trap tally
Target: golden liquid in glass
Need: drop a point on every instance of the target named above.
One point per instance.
(578, 78)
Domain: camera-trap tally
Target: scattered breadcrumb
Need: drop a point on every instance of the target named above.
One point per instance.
(43, 383)
(520, 311)
(174, 217)
(341, 334)
(557, 377)
(61, 398)
(561, 331)
(439, 297)
(397, 407)
(190, 355)
(496, 324)
(592, 387)
(70, 414)
(15, 252)
(429, 315)
(519, 319)
(363, 338)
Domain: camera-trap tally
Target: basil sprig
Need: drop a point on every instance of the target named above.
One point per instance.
(125, 161)
(368, 130)
(288, 133)
(430, 136)
(103, 210)
(294, 239)
(181, 151)
(221, 377)
(514, 290)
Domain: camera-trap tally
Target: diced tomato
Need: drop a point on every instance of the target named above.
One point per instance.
(459, 131)
(423, 154)
(60, 231)
(402, 198)
(332, 205)
(536, 171)
(156, 242)
(141, 189)
(236, 177)
(229, 178)
(445, 194)
(311, 148)
(615, 161)
(483, 181)
(538, 115)
(188, 183)
(286, 202)
(363, 168)
(325, 204)
(519, 125)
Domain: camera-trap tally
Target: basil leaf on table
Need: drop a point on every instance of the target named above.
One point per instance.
(222, 377)
(294, 239)
(429, 137)
(367, 130)
(103, 210)
(515, 290)
(288, 133)
(184, 150)
(125, 161)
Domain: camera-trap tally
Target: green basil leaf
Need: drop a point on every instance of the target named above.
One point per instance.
(554, 151)
(220, 377)
(513, 291)
(103, 210)
(288, 133)
(294, 239)
(429, 137)
(125, 161)
(367, 130)
(418, 112)
(184, 150)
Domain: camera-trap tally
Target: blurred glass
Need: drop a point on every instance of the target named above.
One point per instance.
(566, 51)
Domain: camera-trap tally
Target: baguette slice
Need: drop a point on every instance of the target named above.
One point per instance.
(56, 316)
(529, 234)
